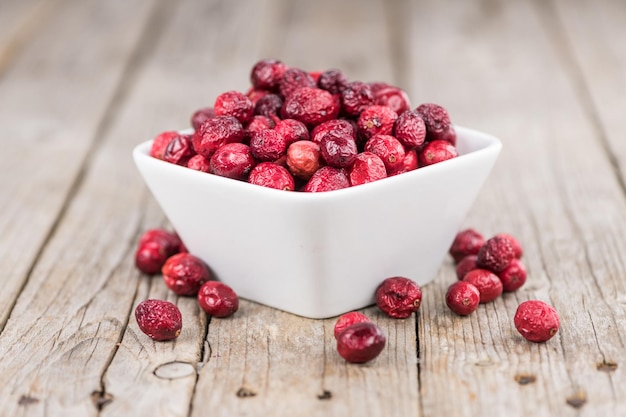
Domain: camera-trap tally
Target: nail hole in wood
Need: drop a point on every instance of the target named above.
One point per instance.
(525, 379)
(605, 366)
(577, 400)
(27, 400)
(325, 395)
(244, 392)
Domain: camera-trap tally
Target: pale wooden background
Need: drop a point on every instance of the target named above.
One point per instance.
(82, 82)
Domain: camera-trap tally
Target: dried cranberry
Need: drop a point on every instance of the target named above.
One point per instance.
(536, 321)
(513, 276)
(159, 319)
(216, 132)
(465, 265)
(218, 299)
(304, 158)
(394, 98)
(198, 163)
(150, 257)
(255, 95)
(409, 163)
(268, 105)
(376, 120)
(179, 150)
(356, 97)
(436, 119)
(268, 145)
(170, 242)
(349, 319)
(235, 104)
(338, 151)
(437, 151)
(268, 174)
(360, 342)
(315, 75)
(410, 129)
(335, 127)
(233, 160)
(496, 254)
(389, 149)
(447, 135)
(267, 74)
(256, 125)
(366, 168)
(201, 115)
(332, 80)
(292, 130)
(517, 247)
(327, 179)
(399, 297)
(293, 79)
(311, 106)
(462, 298)
(159, 144)
(184, 274)
(466, 242)
(488, 284)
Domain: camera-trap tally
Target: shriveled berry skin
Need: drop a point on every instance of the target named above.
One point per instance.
(513, 276)
(356, 97)
(436, 119)
(268, 105)
(517, 247)
(409, 163)
(256, 125)
(218, 299)
(410, 129)
(437, 151)
(367, 167)
(150, 257)
(466, 242)
(268, 174)
(496, 254)
(268, 145)
(184, 274)
(398, 297)
(304, 158)
(255, 95)
(376, 120)
(159, 144)
(333, 81)
(536, 321)
(338, 151)
(388, 149)
(201, 115)
(465, 265)
(179, 150)
(199, 163)
(394, 98)
(292, 130)
(348, 319)
(447, 135)
(266, 74)
(327, 179)
(462, 298)
(315, 75)
(170, 242)
(310, 106)
(233, 160)
(335, 127)
(217, 132)
(488, 284)
(235, 104)
(159, 319)
(360, 342)
(293, 79)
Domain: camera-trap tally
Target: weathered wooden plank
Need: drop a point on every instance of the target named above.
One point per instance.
(19, 21)
(554, 188)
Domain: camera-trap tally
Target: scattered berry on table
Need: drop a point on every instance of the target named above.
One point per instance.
(462, 298)
(398, 297)
(160, 320)
(218, 299)
(496, 254)
(536, 321)
(513, 276)
(360, 342)
(466, 242)
(184, 273)
(349, 319)
(488, 284)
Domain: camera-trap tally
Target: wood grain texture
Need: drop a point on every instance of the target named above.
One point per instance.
(555, 189)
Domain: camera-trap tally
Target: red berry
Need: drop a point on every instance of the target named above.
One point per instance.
(160, 320)
(398, 297)
(150, 257)
(517, 247)
(333, 81)
(437, 151)
(466, 242)
(376, 120)
(267, 74)
(447, 135)
(387, 148)
(376, 86)
(304, 158)
(201, 115)
(496, 254)
(218, 299)
(256, 125)
(159, 144)
(184, 274)
(536, 321)
(462, 298)
(268, 145)
(268, 105)
(315, 75)
(392, 97)
(366, 168)
(311, 106)
(255, 95)
(233, 160)
(513, 276)
(235, 104)
(360, 342)
(327, 179)
(199, 163)
(488, 284)
(170, 242)
(292, 130)
(465, 265)
(268, 174)
(348, 319)
(356, 97)
(436, 119)
(338, 151)
(410, 129)
(335, 127)
(293, 79)
(216, 132)
(179, 151)
(408, 164)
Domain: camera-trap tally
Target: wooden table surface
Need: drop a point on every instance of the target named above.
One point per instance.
(82, 82)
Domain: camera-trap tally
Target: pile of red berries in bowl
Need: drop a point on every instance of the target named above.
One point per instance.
(376, 187)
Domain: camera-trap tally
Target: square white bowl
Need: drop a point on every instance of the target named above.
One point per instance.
(322, 254)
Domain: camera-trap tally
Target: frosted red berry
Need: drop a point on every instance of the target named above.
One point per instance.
(199, 163)
(217, 132)
(304, 158)
(335, 127)
(233, 160)
(360, 342)
(310, 106)
(268, 174)
(179, 150)
(155, 246)
(488, 284)
(409, 163)
(266, 74)
(398, 297)
(462, 298)
(184, 273)
(436, 119)
(536, 321)
(348, 319)
(356, 97)
(466, 265)
(333, 81)
(256, 125)
(513, 276)
(235, 104)
(159, 319)
(448, 135)
(327, 179)
(218, 299)
(517, 247)
(367, 167)
(466, 242)
(293, 79)
(159, 144)
(410, 129)
(388, 149)
(268, 145)
(268, 105)
(437, 151)
(393, 97)
(496, 254)
(201, 115)
(376, 120)
(170, 242)
(338, 151)
(292, 130)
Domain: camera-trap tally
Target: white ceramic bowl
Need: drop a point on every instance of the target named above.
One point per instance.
(322, 254)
